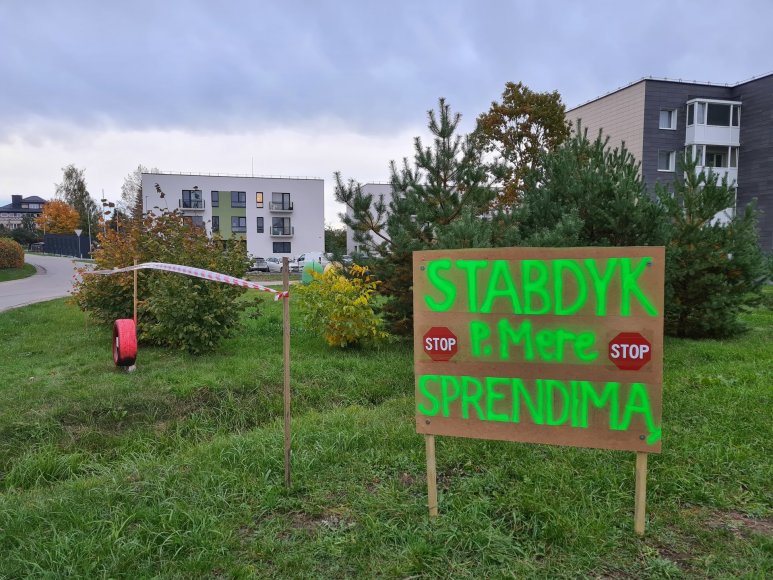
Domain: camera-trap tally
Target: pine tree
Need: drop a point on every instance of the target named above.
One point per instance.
(714, 267)
(586, 193)
(441, 200)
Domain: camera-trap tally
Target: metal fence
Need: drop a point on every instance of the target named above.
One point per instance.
(67, 245)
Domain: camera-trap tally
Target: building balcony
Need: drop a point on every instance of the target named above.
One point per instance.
(713, 135)
(730, 172)
(282, 232)
(280, 207)
(191, 205)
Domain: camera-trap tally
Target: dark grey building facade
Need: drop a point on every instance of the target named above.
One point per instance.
(728, 128)
(11, 215)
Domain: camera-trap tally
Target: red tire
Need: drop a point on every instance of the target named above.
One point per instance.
(124, 342)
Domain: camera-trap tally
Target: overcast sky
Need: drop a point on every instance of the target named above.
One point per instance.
(310, 87)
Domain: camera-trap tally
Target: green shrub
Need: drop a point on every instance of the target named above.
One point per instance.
(341, 307)
(713, 270)
(586, 193)
(173, 310)
(11, 254)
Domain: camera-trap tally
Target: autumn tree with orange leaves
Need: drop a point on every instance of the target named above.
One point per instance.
(517, 131)
(58, 217)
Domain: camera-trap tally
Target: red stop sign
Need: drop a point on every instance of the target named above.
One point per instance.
(440, 343)
(630, 351)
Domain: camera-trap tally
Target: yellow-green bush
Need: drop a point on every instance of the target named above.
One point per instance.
(11, 254)
(341, 307)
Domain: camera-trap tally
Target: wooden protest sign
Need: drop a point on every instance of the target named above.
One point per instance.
(541, 345)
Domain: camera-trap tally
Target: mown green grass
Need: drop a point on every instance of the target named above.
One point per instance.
(176, 470)
(7, 274)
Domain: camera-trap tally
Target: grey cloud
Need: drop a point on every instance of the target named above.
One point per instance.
(376, 65)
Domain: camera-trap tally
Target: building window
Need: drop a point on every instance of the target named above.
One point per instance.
(736, 115)
(238, 224)
(690, 113)
(734, 157)
(695, 152)
(215, 222)
(281, 201)
(259, 199)
(282, 247)
(215, 199)
(718, 115)
(666, 160)
(280, 226)
(700, 113)
(192, 198)
(194, 221)
(238, 199)
(667, 119)
(716, 156)
(260, 225)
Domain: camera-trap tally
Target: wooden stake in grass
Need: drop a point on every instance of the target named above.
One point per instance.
(135, 295)
(431, 476)
(640, 500)
(286, 341)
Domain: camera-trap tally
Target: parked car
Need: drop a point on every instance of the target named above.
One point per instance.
(318, 257)
(275, 264)
(259, 265)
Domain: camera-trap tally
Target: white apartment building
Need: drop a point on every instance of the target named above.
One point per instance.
(282, 216)
(376, 190)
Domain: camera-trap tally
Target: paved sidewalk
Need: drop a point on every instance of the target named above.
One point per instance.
(54, 279)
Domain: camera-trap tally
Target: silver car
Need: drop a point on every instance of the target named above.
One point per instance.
(260, 265)
(275, 265)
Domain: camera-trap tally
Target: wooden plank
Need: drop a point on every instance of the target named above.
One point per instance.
(431, 476)
(543, 369)
(640, 501)
(286, 362)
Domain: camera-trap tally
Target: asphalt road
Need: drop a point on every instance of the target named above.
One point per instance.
(53, 280)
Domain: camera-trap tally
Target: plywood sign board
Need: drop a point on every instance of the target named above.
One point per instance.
(542, 345)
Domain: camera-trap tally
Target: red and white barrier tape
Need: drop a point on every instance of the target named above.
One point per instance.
(198, 273)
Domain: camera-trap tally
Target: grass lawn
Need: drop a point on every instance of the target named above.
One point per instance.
(175, 470)
(7, 274)
(269, 277)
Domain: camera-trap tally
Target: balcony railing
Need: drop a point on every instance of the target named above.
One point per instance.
(282, 232)
(280, 206)
(193, 204)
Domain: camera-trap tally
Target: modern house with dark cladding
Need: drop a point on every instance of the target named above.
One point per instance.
(11, 215)
(728, 127)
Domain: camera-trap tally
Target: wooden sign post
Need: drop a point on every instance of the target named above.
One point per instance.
(541, 345)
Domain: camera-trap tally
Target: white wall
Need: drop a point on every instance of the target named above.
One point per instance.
(306, 195)
(376, 190)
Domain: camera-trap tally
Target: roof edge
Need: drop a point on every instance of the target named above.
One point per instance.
(242, 175)
(668, 80)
